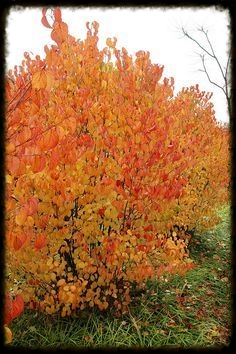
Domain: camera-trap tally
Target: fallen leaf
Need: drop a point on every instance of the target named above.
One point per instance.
(88, 339)
(225, 279)
(145, 333)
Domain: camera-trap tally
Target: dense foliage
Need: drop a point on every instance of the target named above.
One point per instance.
(102, 161)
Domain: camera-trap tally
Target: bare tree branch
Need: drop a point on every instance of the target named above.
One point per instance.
(194, 40)
(208, 75)
(212, 55)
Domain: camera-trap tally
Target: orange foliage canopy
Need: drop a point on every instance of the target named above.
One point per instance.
(101, 153)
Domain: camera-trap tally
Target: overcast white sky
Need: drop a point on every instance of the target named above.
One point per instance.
(157, 30)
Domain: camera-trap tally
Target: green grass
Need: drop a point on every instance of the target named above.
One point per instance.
(191, 311)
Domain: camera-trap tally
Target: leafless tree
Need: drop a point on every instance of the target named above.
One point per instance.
(208, 52)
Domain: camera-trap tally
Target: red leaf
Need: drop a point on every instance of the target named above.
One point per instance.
(85, 140)
(13, 308)
(141, 248)
(8, 310)
(148, 228)
(44, 11)
(32, 206)
(44, 20)
(119, 183)
(57, 15)
(101, 211)
(17, 306)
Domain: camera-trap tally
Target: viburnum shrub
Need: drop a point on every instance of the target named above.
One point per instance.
(102, 161)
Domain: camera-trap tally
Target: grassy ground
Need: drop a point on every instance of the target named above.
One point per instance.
(183, 312)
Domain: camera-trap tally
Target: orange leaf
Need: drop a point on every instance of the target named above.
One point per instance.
(40, 241)
(60, 32)
(55, 175)
(50, 80)
(39, 80)
(37, 163)
(10, 147)
(43, 221)
(118, 204)
(24, 135)
(71, 123)
(19, 241)
(13, 164)
(49, 139)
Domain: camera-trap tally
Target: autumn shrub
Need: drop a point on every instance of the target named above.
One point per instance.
(102, 160)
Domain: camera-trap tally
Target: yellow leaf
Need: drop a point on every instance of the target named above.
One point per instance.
(53, 276)
(104, 84)
(80, 264)
(93, 285)
(9, 179)
(50, 81)
(111, 43)
(61, 282)
(8, 335)
(21, 217)
(39, 80)
(30, 221)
